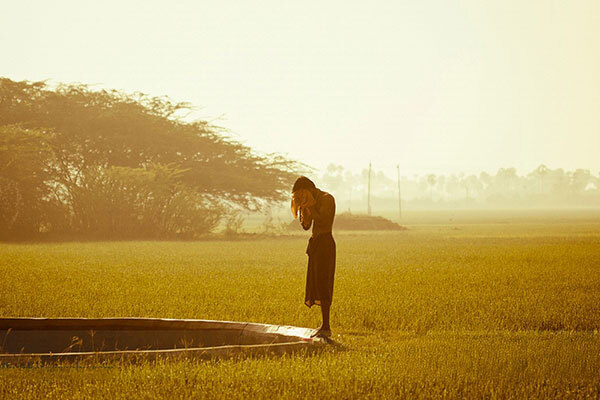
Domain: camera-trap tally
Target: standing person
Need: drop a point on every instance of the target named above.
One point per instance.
(317, 207)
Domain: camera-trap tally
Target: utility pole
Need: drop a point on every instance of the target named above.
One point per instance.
(369, 191)
(399, 193)
(350, 201)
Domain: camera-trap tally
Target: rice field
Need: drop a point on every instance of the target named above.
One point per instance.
(492, 308)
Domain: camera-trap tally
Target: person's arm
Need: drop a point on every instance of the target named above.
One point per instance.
(305, 220)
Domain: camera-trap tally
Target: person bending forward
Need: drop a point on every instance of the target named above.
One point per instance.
(316, 207)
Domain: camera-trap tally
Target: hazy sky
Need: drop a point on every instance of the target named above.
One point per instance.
(436, 86)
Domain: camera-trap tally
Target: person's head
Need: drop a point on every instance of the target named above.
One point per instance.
(304, 183)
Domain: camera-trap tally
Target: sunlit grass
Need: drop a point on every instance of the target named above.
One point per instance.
(469, 310)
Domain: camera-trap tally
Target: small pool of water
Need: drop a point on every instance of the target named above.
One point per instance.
(70, 338)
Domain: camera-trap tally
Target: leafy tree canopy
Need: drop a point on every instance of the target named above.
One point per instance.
(103, 153)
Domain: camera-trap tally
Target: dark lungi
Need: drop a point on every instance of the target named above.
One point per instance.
(321, 269)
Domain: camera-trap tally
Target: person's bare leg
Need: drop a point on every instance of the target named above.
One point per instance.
(325, 328)
(325, 314)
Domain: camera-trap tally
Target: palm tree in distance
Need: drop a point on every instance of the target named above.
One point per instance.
(541, 173)
(431, 179)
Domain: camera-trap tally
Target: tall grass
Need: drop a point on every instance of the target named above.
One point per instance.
(437, 311)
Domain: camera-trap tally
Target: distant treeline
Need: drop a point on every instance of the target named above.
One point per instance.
(75, 162)
(542, 187)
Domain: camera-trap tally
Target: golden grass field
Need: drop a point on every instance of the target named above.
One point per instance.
(496, 308)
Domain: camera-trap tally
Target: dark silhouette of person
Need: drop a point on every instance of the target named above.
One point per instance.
(317, 207)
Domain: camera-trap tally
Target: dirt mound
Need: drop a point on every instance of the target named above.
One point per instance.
(358, 222)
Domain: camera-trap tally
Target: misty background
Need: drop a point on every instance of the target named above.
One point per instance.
(543, 187)
(186, 116)
(436, 86)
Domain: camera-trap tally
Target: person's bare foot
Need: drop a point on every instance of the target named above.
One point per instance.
(322, 332)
